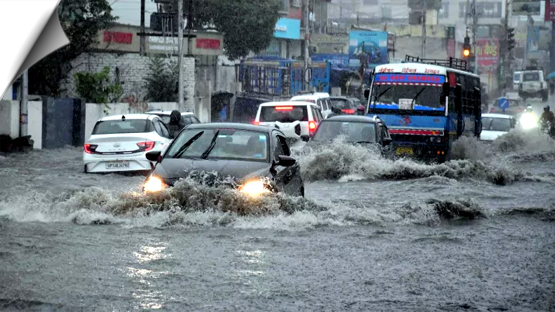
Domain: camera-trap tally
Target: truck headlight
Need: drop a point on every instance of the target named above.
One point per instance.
(154, 184)
(254, 188)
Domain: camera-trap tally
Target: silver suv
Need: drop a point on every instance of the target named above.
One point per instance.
(533, 85)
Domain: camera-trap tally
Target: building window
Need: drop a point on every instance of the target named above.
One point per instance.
(285, 5)
(296, 3)
(444, 11)
(484, 9)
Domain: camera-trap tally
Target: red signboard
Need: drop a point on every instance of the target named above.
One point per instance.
(549, 10)
(451, 47)
(118, 37)
(205, 43)
(487, 52)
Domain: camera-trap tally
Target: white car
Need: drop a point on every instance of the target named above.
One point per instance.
(294, 118)
(495, 125)
(321, 99)
(120, 143)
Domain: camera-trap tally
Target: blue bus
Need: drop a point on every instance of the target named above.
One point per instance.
(426, 104)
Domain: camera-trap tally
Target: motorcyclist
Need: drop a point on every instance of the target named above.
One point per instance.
(547, 118)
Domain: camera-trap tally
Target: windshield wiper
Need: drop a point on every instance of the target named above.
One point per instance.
(187, 144)
(212, 144)
(378, 96)
(417, 94)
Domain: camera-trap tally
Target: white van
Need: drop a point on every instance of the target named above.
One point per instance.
(517, 79)
(321, 99)
(295, 119)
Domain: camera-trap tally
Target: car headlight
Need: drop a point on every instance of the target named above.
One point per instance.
(254, 188)
(154, 184)
(527, 121)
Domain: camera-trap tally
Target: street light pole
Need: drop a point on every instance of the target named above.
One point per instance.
(307, 46)
(424, 10)
(180, 52)
(474, 30)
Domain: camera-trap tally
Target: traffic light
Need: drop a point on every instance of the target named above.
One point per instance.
(510, 38)
(466, 48)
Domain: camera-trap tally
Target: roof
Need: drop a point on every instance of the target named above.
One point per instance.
(419, 68)
(339, 97)
(128, 116)
(315, 95)
(351, 118)
(168, 113)
(288, 103)
(231, 125)
(498, 116)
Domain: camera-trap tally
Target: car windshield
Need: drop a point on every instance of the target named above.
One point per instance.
(516, 77)
(342, 103)
(283, 113)
(229, 144)
(401, 96)
(496, 124)
(121, 126)
(351, 131)
(531, 77)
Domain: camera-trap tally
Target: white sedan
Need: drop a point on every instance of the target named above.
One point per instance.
(495, 125)
(120, 143)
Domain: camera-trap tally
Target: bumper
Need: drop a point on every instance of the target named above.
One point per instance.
(419, 149)
(95, 163)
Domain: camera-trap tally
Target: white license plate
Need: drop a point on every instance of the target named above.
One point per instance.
(117, 165)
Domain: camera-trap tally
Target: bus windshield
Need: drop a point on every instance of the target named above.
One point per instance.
(407, 91)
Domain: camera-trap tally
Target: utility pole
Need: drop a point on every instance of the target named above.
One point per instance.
(507, 54)
(23, 106)
(180, 52)
(424, 10)
(143, 38)
(474, 30)
(190, 28)
(307, 46)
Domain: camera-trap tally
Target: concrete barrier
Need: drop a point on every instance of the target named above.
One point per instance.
(9, 118)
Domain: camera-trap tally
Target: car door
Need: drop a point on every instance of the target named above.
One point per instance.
(163, 134)
(286, 178)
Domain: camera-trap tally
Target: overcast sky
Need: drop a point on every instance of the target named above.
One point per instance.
(129, 11)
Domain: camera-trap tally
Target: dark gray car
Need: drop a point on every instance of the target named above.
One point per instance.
(256, 158)
(355, 129)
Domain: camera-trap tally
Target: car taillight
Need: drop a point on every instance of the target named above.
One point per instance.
(348, 111)
(311, 125)
(146, 146)
(256, 123)
(90, 148)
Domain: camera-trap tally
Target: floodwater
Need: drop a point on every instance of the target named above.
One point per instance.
(476, 233)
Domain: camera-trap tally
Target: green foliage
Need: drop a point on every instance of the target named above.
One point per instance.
(96, 87)
(81, 21)
(162, 80)
(248, 25)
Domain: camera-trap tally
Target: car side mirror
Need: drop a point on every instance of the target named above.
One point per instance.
(154, 156)
(305, 137)
(366, 93)
(286, 161)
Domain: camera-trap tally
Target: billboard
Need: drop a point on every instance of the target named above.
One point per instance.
(549, 10)
(533, 39)
(526, 7)
(487, 54)
(288, 28)
(367, 47)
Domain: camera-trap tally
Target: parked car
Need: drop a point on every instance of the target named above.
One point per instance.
(120, 143)
(187, 117)
(321, 99)
(495, 125)
(296, 119)
(348, 106)
(354, 129)
(256, 158)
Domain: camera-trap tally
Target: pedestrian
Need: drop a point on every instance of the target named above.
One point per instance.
(176, 123)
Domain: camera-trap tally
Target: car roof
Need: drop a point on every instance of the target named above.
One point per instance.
(232, 125)
(128, 116)
(498, 116)
(288, 103)
(168, 113)
(315, 95)
(339, 97)
(352, 118)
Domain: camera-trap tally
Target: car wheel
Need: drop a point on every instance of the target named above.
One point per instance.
(85, 169)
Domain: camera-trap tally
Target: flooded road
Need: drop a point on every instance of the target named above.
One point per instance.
(372, 234)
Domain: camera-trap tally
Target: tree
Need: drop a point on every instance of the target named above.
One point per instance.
(81, 21)
(161, 82)
(247, 25)
(96, 87)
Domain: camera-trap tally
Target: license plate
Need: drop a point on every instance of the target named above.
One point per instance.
(117, 165)
(404, 151)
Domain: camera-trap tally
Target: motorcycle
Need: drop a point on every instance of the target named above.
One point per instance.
(547, 128)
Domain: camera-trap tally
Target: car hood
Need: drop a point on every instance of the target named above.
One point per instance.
(172, 170)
